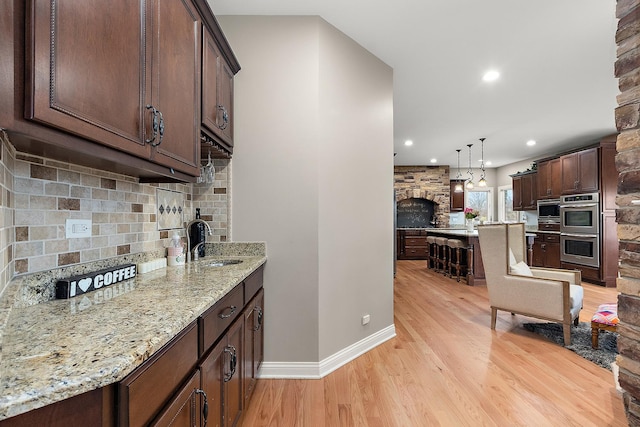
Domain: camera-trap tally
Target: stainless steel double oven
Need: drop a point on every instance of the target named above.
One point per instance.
(580, 229)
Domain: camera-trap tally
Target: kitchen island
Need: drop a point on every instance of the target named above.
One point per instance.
(474, 265)
(61, 349)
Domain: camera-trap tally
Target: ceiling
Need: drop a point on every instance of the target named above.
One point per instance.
(555, 59)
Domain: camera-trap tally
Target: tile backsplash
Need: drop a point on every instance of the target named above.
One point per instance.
(39, 195)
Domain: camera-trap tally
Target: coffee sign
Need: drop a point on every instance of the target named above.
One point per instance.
(78, 285)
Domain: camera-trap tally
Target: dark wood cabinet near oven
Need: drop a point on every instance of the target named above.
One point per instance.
(525, 189)
(549, 185)
(580, 171)
(546, 250)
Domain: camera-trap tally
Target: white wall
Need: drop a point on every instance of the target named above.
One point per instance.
(312, 175)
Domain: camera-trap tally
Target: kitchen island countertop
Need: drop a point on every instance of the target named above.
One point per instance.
(61, 348)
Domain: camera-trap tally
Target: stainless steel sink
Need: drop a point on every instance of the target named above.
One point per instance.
(222, 262)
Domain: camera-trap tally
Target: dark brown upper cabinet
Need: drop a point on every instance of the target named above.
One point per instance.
(580, 171)
(135, 89)
(456, 200)
(217, 94)
(549, 179)
(524, 186)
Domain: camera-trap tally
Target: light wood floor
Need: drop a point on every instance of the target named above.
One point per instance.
(446, 367)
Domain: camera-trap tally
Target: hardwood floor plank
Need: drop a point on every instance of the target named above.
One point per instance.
(446, 367)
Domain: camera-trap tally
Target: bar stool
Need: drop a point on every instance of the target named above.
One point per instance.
(441, 250)
(456, 248)
(433, 252)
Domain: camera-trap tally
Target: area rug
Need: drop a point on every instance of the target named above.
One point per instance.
(581, 341)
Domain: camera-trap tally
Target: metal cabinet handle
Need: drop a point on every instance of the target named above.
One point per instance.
(225, 117)
(205, 406)
(260, 314)
(232, 309)
(154, 124)
(157, 126)
(233, 362)
(160, 130)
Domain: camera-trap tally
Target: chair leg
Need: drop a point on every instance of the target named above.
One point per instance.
(594, 336)
(566, 329)
(494, 315)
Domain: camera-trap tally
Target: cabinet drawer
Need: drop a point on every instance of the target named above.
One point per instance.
(416, 241)
(549, 227)
(146, 390)
(217, 318)
(416, 252)
(253, 283)
(552, 238)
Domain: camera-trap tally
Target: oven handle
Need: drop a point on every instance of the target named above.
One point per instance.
(586, 205)
(591, 236)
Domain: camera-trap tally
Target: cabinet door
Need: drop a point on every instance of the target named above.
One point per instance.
(212, 382)
(233, 397)
(253, 349)
(549, 181)
(538, 252)
(456, 199)
(529, 190)
(569, 173)
(217, 92)
(588, 170)
(82, 81)
(516, 185)
(221, 378)
(175, 83)
(184, 410)
(552, 259)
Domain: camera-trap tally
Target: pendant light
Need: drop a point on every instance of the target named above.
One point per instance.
(470, 181)
(458, 188)
(483, 181)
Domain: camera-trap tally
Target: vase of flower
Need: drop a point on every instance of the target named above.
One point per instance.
(470, 215)
(469, 223)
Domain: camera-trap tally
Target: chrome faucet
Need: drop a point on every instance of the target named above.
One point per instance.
(187, 227)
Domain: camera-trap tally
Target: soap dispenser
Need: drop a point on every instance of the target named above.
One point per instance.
(175, 252)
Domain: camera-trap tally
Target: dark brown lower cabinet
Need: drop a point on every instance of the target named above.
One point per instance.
(221, 378)
(253, 343)
(546, 250)
(184, 410)
(149, 389)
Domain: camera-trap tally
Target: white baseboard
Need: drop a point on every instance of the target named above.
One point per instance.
(317, 370)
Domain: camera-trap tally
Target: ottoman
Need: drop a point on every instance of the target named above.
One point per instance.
(605, 318)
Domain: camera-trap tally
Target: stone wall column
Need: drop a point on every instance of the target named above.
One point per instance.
(627, 116)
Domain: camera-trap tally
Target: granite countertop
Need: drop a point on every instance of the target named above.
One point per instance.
(462, 232)
(61, 348)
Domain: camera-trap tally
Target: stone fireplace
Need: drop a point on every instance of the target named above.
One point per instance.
(425, 182)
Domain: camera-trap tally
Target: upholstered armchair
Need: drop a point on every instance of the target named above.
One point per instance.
(545, 293)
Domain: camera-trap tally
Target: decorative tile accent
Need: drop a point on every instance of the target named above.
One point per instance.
(170, 209)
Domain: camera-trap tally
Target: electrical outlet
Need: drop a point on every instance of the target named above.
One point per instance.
(365, 319)
(77, 228)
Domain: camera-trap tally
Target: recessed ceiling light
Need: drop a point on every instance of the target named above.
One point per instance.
(487, 163)
(531, 143)
(408, 143)
(491, 75)
(434, 160)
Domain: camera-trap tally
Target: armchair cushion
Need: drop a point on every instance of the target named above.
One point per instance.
(521, 268)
